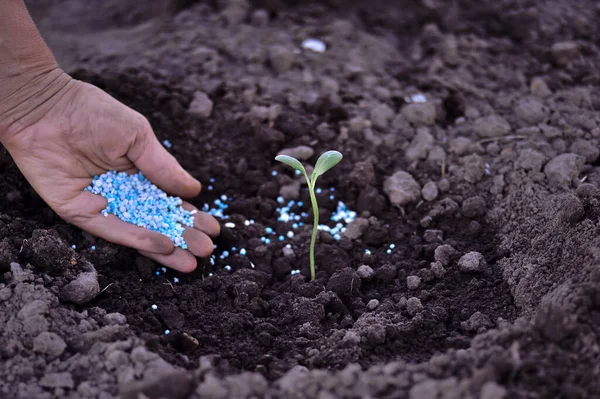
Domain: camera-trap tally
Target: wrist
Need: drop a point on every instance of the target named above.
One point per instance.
(29, 75)
(31, 97)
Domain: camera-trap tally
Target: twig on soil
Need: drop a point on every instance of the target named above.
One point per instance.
(104, 289)
(171, 285)
(443, 167)
(22, 244)
(513, 137)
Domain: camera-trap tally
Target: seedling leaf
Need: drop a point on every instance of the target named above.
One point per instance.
(326, 161)
(290, 161)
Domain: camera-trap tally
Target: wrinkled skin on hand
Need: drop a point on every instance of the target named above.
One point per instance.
(85, 132)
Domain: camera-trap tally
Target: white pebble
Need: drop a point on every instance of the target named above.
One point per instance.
(315, 45)
(416, 98)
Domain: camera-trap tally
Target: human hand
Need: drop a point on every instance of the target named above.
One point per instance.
(80, 132)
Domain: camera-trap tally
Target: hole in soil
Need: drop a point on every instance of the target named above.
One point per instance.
(254, 309)
(454, 104)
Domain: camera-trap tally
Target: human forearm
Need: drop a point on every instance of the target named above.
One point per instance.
(29, 76)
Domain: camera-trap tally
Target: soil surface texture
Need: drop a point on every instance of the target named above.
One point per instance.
(459, 252)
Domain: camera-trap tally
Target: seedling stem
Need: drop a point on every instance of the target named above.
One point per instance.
(325, 162)
(313, 240)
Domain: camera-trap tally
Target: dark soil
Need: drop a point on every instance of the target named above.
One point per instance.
(256, 319)
(523, 325)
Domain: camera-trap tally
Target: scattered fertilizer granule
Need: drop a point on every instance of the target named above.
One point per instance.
(134, 199)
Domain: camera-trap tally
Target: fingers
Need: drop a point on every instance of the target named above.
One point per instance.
(111, 228)
(203, 221)
(162, 168)
(199, 244)
(151, 244)
(180, 260)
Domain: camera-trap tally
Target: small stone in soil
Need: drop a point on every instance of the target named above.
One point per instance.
(301, 152)
(402, 303)
(437, 269)
(365, 272)
(290, 191)
(81, 290)
(475, 168)
(356, 229)
(201, 106)
(445, 254)
(288, 252)
(381, 116)
(539, 88)
(472, 262)
(420, 145)
(530, 159)
(433, 235)
(363, 174)
(444, 185)
(474, 206)
(530, 111)
(564, 52)
(49, 343)
(563, 169)
(57, 380)
(372, 304)
(477, 322)
(386, 273)
(114, 319)
(5, 293)
(586, 149)
(491, 126)
(402, 189)
(460, 145)
(259, 18)
(413, 306)
(420, 113)
(281, 58)
(429, 191)
(413, 282)
(492, 390)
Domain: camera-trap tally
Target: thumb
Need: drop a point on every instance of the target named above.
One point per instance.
(160, 167)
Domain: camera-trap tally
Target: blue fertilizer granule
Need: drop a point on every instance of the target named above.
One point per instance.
(134, 199)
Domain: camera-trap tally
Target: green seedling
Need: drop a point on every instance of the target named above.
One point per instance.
(326, 161)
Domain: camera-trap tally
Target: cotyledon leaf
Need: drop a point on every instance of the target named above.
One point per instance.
(291, 161)
(326, 161)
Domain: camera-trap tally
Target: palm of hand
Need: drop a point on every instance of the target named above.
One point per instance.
(88, 133)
